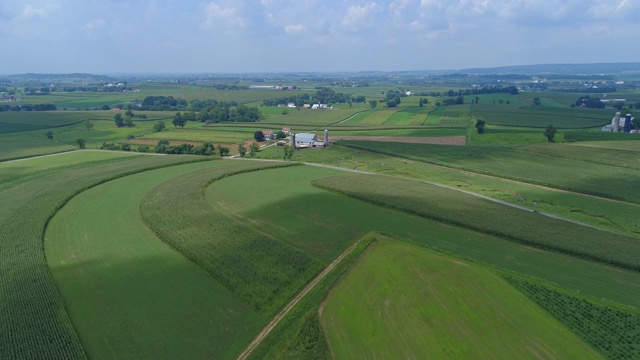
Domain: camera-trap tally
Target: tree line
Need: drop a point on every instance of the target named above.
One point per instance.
(323, 95)
(28, 107)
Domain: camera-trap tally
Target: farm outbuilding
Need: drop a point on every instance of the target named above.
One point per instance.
(306, 140)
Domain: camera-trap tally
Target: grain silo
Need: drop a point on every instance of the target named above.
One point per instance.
(616, 122)
(627, 123)
(326, 138)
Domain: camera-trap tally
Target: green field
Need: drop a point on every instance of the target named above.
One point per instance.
(17, 172)
(403, 301)
(125, 255)
(129, 293)
(542, 116)
(410, 116)
(303, 215)
(33, 321)
(614, 181)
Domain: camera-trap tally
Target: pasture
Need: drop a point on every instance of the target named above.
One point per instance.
(401, 300)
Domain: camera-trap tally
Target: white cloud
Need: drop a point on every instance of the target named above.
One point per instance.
(358, 17)
(94, 24)
(293, 29)
(216, 13)
(37, 11)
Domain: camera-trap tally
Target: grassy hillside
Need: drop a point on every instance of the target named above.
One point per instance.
(404, 301)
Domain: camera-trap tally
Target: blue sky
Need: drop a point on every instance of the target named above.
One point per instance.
(116, 36)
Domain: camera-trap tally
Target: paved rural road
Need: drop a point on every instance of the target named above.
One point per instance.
(272, 324)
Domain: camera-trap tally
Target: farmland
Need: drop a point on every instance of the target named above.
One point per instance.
(118, 263)
(126, 255)
(405, 276)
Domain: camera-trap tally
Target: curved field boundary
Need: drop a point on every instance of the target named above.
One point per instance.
(276, 320)
(479, 214)
(33, 321)
(260, 269)
(122, 286)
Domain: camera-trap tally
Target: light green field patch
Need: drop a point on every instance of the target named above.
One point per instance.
(378, 117)
(408, 117)
(402, 301)
(130, 295)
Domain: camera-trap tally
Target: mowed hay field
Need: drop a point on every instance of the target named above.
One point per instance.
(403, 301)
(130, 295)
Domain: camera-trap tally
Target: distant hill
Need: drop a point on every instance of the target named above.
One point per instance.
(561, 69)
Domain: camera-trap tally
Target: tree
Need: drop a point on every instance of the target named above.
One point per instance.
(105, 107)
(129, 113)
(50, 135)
(128, 121)
(162, 146)
(288, 152)
(280, 135)
(373, 104)
(550, 132)
(88, 124)
(253, 149)
(159, 126)
(284, 112)
(223, 151)
(81, 143)
(258, 136)
(179, 120)
(480, 126)
(536, 101)
(242, 150)
(119, 120)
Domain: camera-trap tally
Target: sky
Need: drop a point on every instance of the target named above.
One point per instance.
(257, 36)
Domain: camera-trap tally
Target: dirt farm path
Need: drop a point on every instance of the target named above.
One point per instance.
(274, 322)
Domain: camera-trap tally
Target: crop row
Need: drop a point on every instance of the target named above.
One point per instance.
(613, 182)
(262, 270)
(613, 331)
(33, 322)
(453, 207)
